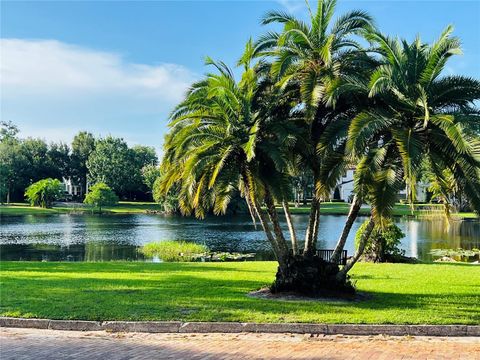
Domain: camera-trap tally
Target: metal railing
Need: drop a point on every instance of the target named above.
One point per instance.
(327, 256)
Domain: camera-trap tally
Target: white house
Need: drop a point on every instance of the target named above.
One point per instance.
(71, 188)
(344, 189)
(421, 195)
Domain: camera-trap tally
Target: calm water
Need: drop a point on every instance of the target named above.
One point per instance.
(117, 237)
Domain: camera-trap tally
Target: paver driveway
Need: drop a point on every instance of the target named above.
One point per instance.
(52, 344)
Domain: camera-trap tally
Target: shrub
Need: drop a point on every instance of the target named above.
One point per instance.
(100, 195)
(169, 202)
(383, 244)
(174, 251)
(44, 192)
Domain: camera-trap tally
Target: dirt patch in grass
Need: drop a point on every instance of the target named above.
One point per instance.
(265, 293)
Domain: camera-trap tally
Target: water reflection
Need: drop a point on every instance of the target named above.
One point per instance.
(117, 237)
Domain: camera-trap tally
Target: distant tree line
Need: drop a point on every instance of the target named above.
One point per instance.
(129, 171)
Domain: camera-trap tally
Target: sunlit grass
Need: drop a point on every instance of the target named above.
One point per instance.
(400, 293)
(332, 208)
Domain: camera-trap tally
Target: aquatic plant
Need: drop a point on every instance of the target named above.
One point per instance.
(174, 251)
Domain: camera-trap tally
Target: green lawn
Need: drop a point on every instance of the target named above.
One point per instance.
(400, 293)
(419, 210)
(123, 207)
(130, 207)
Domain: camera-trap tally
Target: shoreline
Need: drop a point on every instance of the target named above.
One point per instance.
(421, 211)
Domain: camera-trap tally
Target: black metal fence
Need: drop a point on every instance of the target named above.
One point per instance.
(327, 256)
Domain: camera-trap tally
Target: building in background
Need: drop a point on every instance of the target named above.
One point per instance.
(71, 189)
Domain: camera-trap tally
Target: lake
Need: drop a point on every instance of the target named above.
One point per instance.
(117, 237)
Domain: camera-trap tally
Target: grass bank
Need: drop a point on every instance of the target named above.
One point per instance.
(419, 210)
(327, 208)
(123, 207)
(401, 293)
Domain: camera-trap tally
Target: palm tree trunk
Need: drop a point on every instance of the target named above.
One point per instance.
(272, 213)
(291, 229)
(312, 229)
(253, 215)
(352, 215)
(361, 247)
(257, 210)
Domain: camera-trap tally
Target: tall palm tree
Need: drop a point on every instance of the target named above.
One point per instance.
(424, 114)
(221, 141)
(420, 115)
(316, 56)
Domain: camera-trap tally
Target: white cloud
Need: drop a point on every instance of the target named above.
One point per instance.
(49, 66)
(52, 90)
(292, 5)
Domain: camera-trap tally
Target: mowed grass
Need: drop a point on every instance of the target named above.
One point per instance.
(132, 207)
(123, 207)
(400, 293)
(419, 210)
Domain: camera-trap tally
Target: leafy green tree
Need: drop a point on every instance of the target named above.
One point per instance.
(100, 195)
(8, 130)
(150, 173)
(35, 151)
(44, 192)
(83, 145)
(58, 160)
(25, 161)
(144, 157)
(112, 163)
(13, 163)
(119, 166)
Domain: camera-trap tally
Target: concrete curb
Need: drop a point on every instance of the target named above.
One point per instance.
(237, 327)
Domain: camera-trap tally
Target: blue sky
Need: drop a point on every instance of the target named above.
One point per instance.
(119, 67)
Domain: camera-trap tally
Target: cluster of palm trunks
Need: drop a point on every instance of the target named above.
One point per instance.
(311, 276)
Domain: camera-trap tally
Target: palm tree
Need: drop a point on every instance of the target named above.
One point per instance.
(420, 115)
(316, 56)
(425, 114)
(221, 141)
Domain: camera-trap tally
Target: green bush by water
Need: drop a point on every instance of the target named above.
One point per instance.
(174, 251)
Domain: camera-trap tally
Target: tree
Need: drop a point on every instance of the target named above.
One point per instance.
(144, 157)
(382, 244)
(168, 201)
(8, 130)
(12, 163)
(323, 103)
(100, 195)
(44, 192)
(83, 145)
(25, 161)
(419, 116)
(112, 163)
(317, 56)
(119, 166)
(150, 173)
(211, 150)
(58, 160)
(228, 136)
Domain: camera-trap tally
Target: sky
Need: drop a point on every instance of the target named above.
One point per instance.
(119, 68)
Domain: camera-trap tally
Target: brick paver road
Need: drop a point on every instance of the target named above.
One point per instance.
(49, 344)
